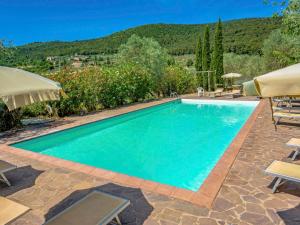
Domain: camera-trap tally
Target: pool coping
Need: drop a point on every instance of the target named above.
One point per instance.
(204, 196)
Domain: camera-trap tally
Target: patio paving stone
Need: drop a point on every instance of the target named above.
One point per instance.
(245, 196)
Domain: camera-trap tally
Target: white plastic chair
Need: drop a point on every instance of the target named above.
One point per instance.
(200, 91)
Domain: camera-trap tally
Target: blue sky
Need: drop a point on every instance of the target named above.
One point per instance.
(24, 21)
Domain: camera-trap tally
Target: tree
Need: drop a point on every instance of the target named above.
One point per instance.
(291, 18)
(281, 50)
(290, 12)
(198, 55)
(198, 61)
(145, 52)
(148, 53)
(249, 65)
(218, 51)
(6, 52)
(206, 57)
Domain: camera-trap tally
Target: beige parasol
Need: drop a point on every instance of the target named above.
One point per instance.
(283, 82)
(231, 75)
(19, 88)
(249, 88)
(280, 83)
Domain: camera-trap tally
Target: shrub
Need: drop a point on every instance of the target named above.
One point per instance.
(249, 66)
(34, 110)
(124, 83)
(177, 79)
(8, 119)
(93, 88)
(281, 50)
(82, 88)
(189, 62)
(140, 82)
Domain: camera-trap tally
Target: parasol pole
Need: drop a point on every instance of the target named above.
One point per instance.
(272, 111)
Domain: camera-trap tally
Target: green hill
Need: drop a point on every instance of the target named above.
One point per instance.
(244, 36)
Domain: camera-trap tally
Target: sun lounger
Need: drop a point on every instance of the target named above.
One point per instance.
(285, 109)
(294, 142)
(233, 94)
(218, 91)
(279, 115)
(94, 209)
(10, 210)
(5, 167)
(283, 172)
(286, 102)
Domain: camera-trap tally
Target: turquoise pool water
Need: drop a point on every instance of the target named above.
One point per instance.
(176, 143)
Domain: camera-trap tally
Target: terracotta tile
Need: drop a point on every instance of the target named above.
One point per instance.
(134, 182)
(67, 164)
(86, 169)
(182, 194)
(57, 162)
(148, 185)
(204, 196)
(48, 159)
(202, 200)
(164, 189)
(97, 172)
(109, 175)
(121, 178)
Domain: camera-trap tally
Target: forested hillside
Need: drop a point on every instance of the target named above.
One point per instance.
(243, 36)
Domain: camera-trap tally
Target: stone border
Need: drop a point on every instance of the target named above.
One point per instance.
(212, 184)
(203, 197)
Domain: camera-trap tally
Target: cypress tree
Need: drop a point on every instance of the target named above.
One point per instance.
(198, 60)
(198, 55)
(217, 63)
(206, 57)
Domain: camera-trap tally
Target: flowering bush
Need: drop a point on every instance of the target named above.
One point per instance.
(124, 83)
(95, 88)
(177, 79)
(82, 89)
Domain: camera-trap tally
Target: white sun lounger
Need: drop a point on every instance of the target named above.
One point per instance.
(287, 115)
(94, 209)
(5, 167)
(218, 91)
(233, 94)
(283, 172)
(10, 210)
(294, 142)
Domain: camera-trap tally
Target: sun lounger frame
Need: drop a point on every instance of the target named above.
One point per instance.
(16, 210)
(287, 115)
(296, 151)
(218, 91)
(109, 218)
(2, 174)
(281, 179)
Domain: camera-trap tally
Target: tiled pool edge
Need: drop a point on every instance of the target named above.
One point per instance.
(203, 197)
(212, 184)
(120, 111)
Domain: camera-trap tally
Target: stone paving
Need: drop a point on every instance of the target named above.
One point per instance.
(244, 198)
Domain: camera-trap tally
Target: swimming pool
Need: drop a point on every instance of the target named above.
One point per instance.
(176, 143)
